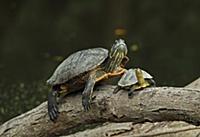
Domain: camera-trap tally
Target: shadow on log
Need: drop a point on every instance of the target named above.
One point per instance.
(149, 105)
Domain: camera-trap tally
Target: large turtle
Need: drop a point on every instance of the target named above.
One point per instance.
(83, 69)
(135, 79)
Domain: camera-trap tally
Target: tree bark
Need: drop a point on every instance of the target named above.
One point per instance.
(194, 85)
(147, 129)
(128, 129)
(149, 105)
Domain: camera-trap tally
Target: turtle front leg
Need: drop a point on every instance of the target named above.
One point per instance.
(52, 105)
(87, 93)
(117, 89)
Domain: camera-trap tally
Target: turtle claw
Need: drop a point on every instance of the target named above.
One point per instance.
(86, 102)
(52, 107)
(86, 108)
(53, 111)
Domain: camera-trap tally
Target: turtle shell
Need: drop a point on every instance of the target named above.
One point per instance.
(78, 63)
(129, 78)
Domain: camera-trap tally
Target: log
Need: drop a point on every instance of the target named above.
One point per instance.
(148, 105)
(147, 129)
(194, 85)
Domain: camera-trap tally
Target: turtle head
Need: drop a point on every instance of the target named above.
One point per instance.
(119, 48)
(117, 53)
(139, 76)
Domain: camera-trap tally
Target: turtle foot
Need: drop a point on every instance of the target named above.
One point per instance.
(52, 107)
(86, 102)
(116, 90)
(130, 94)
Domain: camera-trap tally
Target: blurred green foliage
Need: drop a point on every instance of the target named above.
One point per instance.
(19, 97)
(36, 35)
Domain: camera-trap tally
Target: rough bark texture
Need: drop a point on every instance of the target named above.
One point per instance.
(161, 129)
(194, 85)
(149, 105)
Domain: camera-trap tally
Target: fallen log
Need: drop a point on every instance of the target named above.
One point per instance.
(149, 105)
(147, 129)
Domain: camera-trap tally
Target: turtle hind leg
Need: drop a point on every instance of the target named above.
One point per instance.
(133, 91)
(53, 105)
(152, 83)
(130, 94)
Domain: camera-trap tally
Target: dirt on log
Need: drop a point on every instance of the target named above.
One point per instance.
(148, 105)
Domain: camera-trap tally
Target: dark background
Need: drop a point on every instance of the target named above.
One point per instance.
(36, 35)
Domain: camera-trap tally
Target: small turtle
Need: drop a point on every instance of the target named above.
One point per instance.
(134, 79)
(83, 69)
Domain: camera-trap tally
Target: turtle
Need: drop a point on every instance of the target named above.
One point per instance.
(134, 80)
(81, 70)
